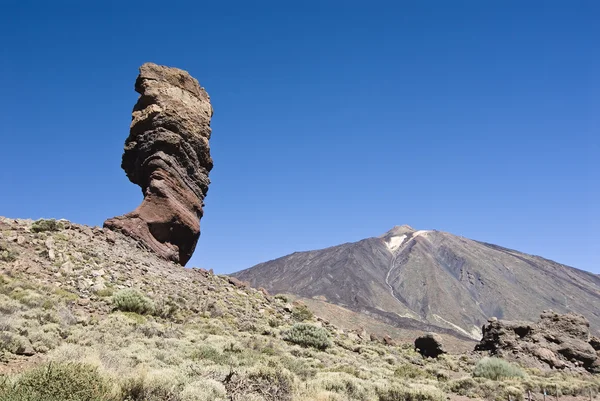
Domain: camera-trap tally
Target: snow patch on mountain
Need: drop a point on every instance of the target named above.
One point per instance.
(394, 243)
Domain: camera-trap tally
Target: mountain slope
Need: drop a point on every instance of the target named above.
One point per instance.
(433, 278)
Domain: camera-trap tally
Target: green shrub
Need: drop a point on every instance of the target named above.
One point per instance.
(143, 388)
(463, 386)
(308, 335)
(132, 301)
(417, 392)
(13, 343)
(105, 292)
(206, 352)
(282, 297)
(7, 254)
(58, 382)
(496, 369)
(408, 371)
(263, 383)
(45, 225)
(301, 313)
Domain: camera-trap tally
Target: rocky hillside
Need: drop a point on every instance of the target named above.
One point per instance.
(89, 314)
(432, 280)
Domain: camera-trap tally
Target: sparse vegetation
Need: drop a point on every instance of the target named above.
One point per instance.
(184, 335)
(42, 225)
(129, 300)
(410, 393)
(308, 335)
(496, 369)
(7, 254)
(57, 382)
(282, 298)
(301, 313)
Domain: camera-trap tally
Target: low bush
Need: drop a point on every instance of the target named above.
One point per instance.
(408, 371)
(267, 384)
(45, 225)
(153, 386)
(132, 301)
(8, 255)
(301, 313)
(282, 298)
(417, 392)
(308, 335)
(58, 382)
(496, 369)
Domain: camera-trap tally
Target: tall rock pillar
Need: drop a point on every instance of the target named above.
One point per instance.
(167, 154)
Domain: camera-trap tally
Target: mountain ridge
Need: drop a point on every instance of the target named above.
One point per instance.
(433, 277)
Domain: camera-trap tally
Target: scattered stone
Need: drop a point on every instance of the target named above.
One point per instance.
(430, 345)
(20, 240)
(83, 302)
(67, 267)
(167, 153)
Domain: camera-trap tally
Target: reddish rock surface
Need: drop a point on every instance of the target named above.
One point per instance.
(167, 154)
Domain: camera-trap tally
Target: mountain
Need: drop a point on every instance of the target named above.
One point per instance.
(432, 280)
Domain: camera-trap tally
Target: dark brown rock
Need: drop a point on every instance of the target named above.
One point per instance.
(167, 154)
(557, 341)
(595, 342)
(429, 345)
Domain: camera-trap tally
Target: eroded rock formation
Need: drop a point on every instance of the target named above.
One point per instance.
(557, 341)
(167, 154)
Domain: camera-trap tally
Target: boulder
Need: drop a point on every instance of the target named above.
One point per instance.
(387, 340)
(237, 283)
(167, 154)
(556, 341)
(430, 345)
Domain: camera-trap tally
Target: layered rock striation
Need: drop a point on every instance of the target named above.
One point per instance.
(556, 341)
(167, 154)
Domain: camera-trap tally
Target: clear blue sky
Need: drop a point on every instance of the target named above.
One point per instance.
(334, 120)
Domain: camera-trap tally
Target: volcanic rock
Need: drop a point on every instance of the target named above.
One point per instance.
(167, 154)
(556, 341)
(430, 345)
